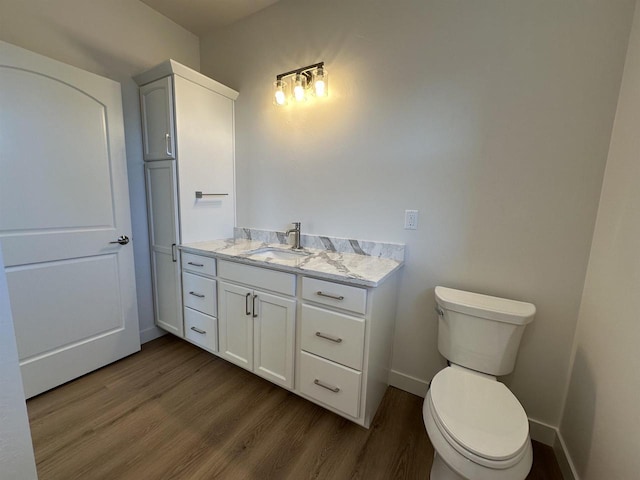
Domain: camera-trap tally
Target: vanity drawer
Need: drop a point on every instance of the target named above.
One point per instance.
(199, 293)
(257, 277)
(333, 335)
(335, 294)
(201, 329)
(199, 264)
(330, 383)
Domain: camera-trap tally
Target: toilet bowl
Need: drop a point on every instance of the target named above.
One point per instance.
(478, 429)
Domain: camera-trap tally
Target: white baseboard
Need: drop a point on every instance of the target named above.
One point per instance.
(408, 383)
(151, 333)
(539, 431)
(543, 433)
(567, 467)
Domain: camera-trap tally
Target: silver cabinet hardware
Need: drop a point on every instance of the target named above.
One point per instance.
(246, 304)
(328, 295)
(439, 311)
(200, 195)
(197, 330)
(199, 295)
(196, 264)
(122, 240)
(328, 387)
(174, 257)
(328, 337)
(253, 304)
(167, 139)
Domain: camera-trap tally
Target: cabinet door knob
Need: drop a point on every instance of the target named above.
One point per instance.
(253, 304)
(167, 139)
(197, 330)
(246, 304)
(196, 264)
(199, 295)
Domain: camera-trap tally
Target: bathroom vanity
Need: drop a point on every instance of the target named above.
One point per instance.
(319, 323)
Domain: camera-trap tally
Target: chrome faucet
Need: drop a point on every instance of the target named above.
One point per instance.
(296, 238)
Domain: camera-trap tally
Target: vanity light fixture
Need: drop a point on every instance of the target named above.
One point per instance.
(312, 79)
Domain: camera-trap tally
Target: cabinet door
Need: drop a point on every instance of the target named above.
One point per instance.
(204, 129)
(162, 211)
(235, 324)
(273, 337)
(156, 106)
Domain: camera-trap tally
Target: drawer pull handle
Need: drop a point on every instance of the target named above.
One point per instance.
(328, 387)
(196, 264)
(328, 295)
(197, 330)
(199, 295)
(328, 337)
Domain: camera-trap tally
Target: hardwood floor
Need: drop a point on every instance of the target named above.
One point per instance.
(174, 411)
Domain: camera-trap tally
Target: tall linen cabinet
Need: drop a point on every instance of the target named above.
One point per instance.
(188, 150)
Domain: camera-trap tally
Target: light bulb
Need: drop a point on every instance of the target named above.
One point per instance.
(299, 88)
(320, 91)
(280, 93)
(320, 82)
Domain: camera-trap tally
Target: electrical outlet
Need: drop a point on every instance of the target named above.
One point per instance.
(411, 219)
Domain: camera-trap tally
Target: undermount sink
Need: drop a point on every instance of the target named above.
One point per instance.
(278, 253)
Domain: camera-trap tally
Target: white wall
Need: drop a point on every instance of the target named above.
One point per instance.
(491, 118)
(115, 39)
(16, 451)
(601, 422)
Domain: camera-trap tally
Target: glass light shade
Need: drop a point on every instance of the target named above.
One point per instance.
(320, 82)
(299, 88)
(280, 93)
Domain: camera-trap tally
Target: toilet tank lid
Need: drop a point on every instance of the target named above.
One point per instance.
(485, 306)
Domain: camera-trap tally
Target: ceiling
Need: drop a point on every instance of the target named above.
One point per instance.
(203, 16)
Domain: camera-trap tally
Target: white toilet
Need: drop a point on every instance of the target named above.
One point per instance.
(478, 429)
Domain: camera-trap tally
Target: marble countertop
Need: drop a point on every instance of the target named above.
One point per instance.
(352, 268)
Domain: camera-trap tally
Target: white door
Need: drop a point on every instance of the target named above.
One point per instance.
(156, 105)
(235, 324)
(63, 202)
(273, 337)
(163, 236)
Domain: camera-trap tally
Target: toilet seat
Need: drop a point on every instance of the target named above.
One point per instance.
(479, 417)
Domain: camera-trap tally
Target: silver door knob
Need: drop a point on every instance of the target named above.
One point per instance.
(122, 240)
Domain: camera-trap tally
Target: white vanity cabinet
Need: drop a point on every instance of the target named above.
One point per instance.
(188, 148)
(257, 320)
(345, 343)
(326, 341)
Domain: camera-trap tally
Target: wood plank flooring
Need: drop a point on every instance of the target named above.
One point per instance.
(173, 411)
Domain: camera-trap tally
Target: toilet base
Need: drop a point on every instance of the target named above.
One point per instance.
(441, 471)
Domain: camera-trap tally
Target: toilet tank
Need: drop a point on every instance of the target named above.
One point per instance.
(481, 332)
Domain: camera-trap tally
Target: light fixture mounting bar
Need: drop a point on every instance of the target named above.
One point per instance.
(280, 76)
